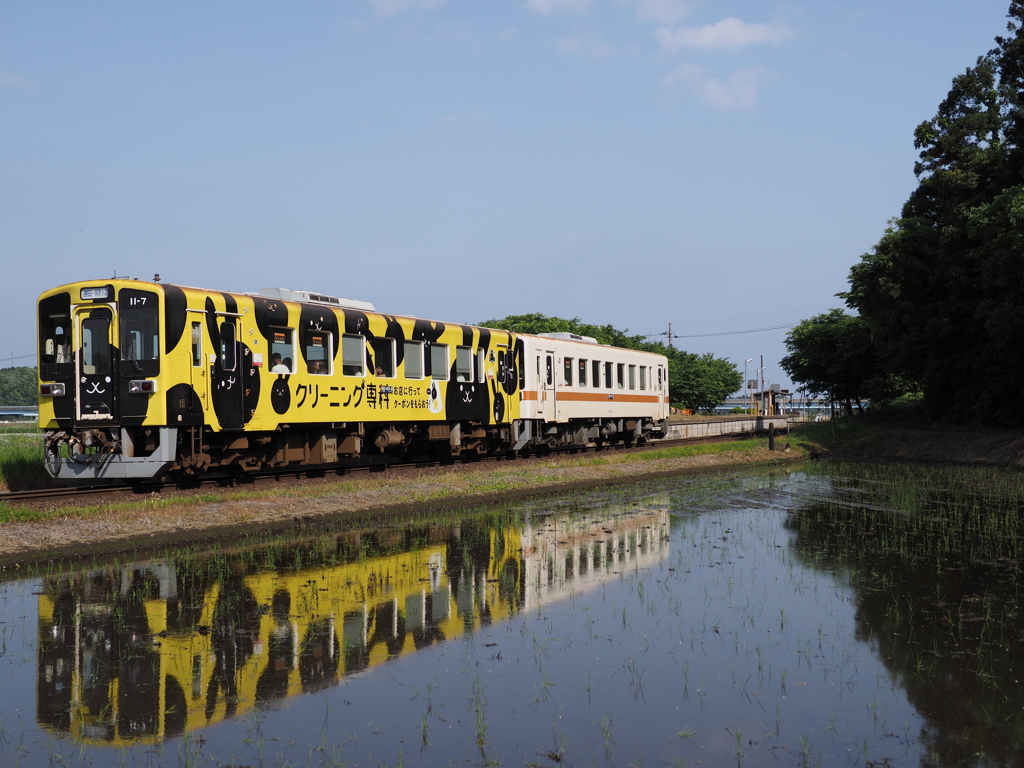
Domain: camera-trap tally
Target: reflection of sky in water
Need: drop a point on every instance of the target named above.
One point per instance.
(686, 620)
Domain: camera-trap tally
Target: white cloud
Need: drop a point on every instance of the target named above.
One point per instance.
(391, 7)
(738, 91)
(12, 80)
(585, 45)
(663, 11)
(728, 34)
(554, 6)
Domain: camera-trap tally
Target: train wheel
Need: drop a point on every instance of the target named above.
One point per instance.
(187, 478)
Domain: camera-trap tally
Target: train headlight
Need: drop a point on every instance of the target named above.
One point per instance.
(142, 386)
(51, 390)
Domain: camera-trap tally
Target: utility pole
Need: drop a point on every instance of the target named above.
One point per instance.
(670, 335)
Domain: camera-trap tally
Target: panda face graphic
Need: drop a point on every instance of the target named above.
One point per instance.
(434, 398)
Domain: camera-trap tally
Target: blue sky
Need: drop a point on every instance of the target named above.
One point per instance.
(715, 165)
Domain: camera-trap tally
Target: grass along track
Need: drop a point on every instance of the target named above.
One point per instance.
(34, 531)
(300, 474)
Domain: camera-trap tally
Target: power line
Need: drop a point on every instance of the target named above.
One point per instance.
(722, 333)
(749, 317)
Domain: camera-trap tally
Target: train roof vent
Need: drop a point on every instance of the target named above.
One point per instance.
(565, 335)
(308, 297)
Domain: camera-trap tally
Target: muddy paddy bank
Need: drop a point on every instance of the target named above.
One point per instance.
(82, 530)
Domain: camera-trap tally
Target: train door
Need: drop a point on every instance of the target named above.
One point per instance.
(200, 356)
(96, 378)
(500, 379)
(662, 390)
(226, 375)
(546, 384)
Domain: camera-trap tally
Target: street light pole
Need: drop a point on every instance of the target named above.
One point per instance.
(746, 384)
(762, 387)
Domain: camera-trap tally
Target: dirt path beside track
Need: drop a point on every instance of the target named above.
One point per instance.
(188, 517)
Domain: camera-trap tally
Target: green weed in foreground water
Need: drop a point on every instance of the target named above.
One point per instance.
(702, 449)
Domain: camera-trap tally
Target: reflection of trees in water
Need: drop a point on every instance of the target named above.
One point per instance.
(934, 565)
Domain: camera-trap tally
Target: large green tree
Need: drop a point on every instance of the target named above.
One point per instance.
(943, 291)
(832, 354)
(698, 382)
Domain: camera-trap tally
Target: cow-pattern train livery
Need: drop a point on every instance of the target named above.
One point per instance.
(140, 380)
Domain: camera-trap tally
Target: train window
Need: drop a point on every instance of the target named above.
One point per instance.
(463, 364)
(567, 368)
(481, 366)
(607, 375)
(549, 374)
(227, 345)
(140, 325)
(353, 355)
(583, 372)
(439, 362)
(282, 351)
(383, 357)
(632, 377)
(317, 352)
(503, 374)
(595, 378)
(413, 359)
(96, 343)
(197, 344)
(54, 333)
(620, 377)
(643, 377)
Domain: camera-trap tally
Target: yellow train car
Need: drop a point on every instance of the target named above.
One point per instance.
(144, 380)
(139, 379)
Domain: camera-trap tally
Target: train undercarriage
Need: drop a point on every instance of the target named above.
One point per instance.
(139, 454)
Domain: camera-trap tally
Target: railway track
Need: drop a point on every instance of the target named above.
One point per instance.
(299, 475)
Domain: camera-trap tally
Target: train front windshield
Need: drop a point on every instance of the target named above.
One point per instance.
(140, 326)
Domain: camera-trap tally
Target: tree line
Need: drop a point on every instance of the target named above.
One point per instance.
(940, 298)
(697, 382)
(18, 386)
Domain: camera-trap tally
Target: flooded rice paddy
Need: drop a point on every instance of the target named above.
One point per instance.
(837, 615)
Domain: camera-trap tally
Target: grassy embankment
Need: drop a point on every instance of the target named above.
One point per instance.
(21, 458)
(23, 464)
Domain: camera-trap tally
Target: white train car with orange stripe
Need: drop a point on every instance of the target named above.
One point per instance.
(574, 391)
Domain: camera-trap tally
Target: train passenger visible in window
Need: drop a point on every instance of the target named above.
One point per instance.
(276, 364)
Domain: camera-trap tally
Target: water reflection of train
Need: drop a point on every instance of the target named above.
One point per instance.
(156, 649)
